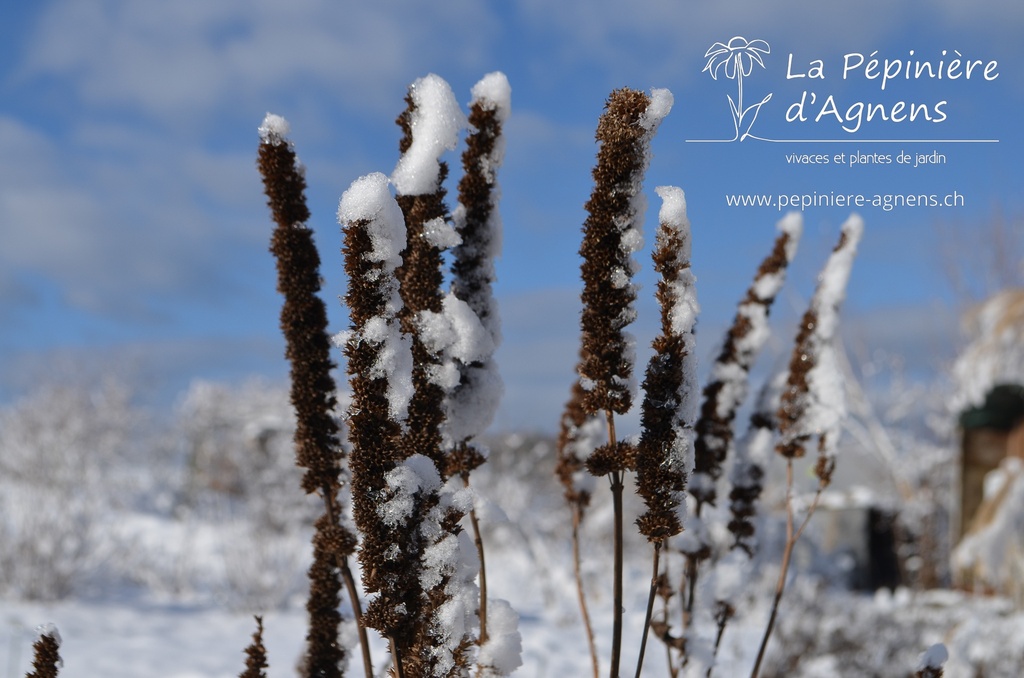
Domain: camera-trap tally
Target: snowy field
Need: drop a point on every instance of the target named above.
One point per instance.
(152, 588)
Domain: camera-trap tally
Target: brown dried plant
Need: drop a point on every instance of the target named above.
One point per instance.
(46, 661)
(667, 414)
(420, 279)
(256, 654)
(388, 553)
(812, 403)
(317, 445)
(478, 224)
(727, 389)
(610, 236)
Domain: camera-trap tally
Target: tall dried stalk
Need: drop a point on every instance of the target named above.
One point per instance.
(812, 404)
(727, 388)
(430, 124)
(473, 401)
(317, 447)
(611, 233)
(378, 356)
(665, 450)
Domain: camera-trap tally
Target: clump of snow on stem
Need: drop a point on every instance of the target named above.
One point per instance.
(685, 308)
(765, 289)
(450, 559)
(495, 93)
(503, 652)
(49, 629)
(369, 199)
(674, 226)
(470, 409)
(274, 130)
(632, 235)
(827, 406)
(660, 106)
(415, 475)
(585, 438)
(995, 354)
(754, 309)
(457, 335)
(368, 202)
(632, 239)
(436, 122)
(440, 234)
(834, 277)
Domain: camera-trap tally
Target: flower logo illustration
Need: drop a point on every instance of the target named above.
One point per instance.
(736, 59)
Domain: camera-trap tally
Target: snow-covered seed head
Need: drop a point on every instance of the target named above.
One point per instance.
(812, 405)
(611, 233)
(665, 447)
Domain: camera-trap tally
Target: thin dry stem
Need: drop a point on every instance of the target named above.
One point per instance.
(650, 608)
(479, 542)
(617, 485)
(792, 536)
(577, 517)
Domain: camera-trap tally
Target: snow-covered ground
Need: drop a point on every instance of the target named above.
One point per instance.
(158, 552)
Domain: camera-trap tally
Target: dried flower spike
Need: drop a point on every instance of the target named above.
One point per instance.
(317, 445)
(256, 654)
(728, 384)
(812, 404)
(611, 234)
(666, 442)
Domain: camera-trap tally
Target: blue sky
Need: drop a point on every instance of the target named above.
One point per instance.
(133, 230)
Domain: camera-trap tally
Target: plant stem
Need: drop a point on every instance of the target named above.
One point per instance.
(791, 539)
(616, 487)
(396, 658)
(691, 589)
(357, 612)
(584, 612)
(617, 576)
(650, 609)
(341, 562)
(478, 540)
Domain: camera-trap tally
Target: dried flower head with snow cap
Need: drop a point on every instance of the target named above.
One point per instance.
(812, 405)
(611, 234)
(664, 453)
(727, 387)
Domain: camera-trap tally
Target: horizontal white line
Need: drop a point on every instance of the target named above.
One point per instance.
(849, 141)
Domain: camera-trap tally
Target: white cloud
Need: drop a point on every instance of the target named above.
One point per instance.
(657, 39)
(116, 225)
(189, 56)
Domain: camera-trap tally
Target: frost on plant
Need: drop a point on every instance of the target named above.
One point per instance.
(664, 453)
(377, 352)
(729, 380)
(812, 405)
